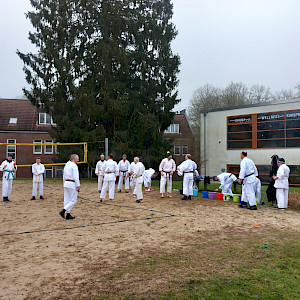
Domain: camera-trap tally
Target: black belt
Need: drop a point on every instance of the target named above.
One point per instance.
(124, 171)
(189, 172)
(248, 175)
(168, 173)
(70, 180)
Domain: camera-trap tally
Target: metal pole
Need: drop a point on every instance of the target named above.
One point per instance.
(204, 146)
(106, 148)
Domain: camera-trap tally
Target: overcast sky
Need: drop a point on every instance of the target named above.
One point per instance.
(219, 41)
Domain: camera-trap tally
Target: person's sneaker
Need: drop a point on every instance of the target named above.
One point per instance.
(62, 213)
(6, 201)
(190, 198)
(69, 217)
(42, 198)
(242, 205)
(253, 207)
(33, 198)
(184, 198)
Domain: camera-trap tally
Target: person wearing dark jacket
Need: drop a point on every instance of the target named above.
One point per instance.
(271, 191)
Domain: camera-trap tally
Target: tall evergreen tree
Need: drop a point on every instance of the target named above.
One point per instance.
(105, 68)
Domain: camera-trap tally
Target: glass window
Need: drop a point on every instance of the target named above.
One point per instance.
(293, 142)
(293, 114)
(240, 119)
(240, 136)
(270, 117)
(184, 149)
(49, 172)
(271, 144)
(45, 119)
(59, 172)
(238, 128)
(240, 145)
(48, 149)
(13, 120)
(270, 125)
(293, 124)
(271, 134)
(37, 149)
(176, 149)
(173, 128)
(293, 133)
(11, 149)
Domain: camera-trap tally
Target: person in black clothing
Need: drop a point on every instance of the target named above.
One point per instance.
(271, 191)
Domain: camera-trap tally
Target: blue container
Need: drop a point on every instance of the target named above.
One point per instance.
(195, 192)
(205, 194)
(240, 199)
(181, 192)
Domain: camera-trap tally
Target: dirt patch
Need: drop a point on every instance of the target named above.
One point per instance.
(94, 253)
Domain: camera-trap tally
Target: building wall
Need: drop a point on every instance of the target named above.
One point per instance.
(24, 154)
(217, 155)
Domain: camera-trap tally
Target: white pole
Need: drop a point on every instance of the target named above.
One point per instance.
(106, 148)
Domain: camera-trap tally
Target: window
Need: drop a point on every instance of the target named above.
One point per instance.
(184, 149)
(45, 119)
(11, 149)
(266, 130)
(48, 149)
(173, 128)
(49, 172)
(176, 149)
(37, 149)
(59, 172)
(13, 120)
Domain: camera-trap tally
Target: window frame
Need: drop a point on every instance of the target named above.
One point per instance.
(45, 146)
(48, 169)
(179, 147)
(34, 149)
(15, 147)
(187, 149)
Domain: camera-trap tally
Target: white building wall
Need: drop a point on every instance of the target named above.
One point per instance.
(217, 155)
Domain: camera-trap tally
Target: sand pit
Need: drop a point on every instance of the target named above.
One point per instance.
(46, 257)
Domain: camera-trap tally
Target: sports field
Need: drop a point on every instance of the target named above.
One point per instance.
(163, 248)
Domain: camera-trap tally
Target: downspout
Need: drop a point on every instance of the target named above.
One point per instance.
(204, 142)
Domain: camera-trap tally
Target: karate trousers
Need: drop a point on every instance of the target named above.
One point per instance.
(258, 191)
(139, 190)
(227, 189)
(147, 184)
(248, 193)
(282, 196)
(121, 178)
(163, 180)
(110, 186)
(133, 185)
(35, 186)
(188, 179)
(100, 181)
(70, 198)
(6, 187)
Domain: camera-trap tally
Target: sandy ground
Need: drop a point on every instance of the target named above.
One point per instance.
(46, 257)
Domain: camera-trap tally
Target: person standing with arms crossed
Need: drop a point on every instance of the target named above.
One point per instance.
(98, 172)
(38, 171)
(123, 166)
(71, 186)
(167, 168)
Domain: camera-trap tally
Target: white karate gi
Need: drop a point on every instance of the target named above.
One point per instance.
(98, 172)
(282, 186)
(187, 168)
(38, 171)
(248, 167)
(226, 180)
(138, 169)
(71, 182)
(257, 189)
(110, 171)
(132, 182)
(123, 170)
(9, 169)
(166, 166)
(147, 177)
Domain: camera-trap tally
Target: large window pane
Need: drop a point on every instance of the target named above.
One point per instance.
(271, 144)
(270, 117)
(293, 124)
(270, 134)
(234, 169)
(240, 145)
(264, 169)
(293, 114)
(293, 133)
(237, 128)
(270, 125)
(293, 143)
(240, 136)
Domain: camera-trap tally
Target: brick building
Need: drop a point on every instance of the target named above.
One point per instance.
(21, 122)
(183, 140)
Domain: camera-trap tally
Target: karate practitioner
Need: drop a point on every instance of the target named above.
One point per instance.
(110, 171)
(71, 186)
(187, 168)
(247, 177)
(123, 166)
(38, 171)
(136, 170)
(132, 182)
(98, 172)
(282, 184)
(257, 189)
(9, 168)
(167, 168)
(147, 179)
(226, 180)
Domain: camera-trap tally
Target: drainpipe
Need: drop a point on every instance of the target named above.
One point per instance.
(204, 146)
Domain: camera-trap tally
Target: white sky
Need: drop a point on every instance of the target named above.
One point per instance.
(219, 41)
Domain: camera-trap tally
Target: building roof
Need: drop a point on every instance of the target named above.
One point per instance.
(292, 100)
(22, 114)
